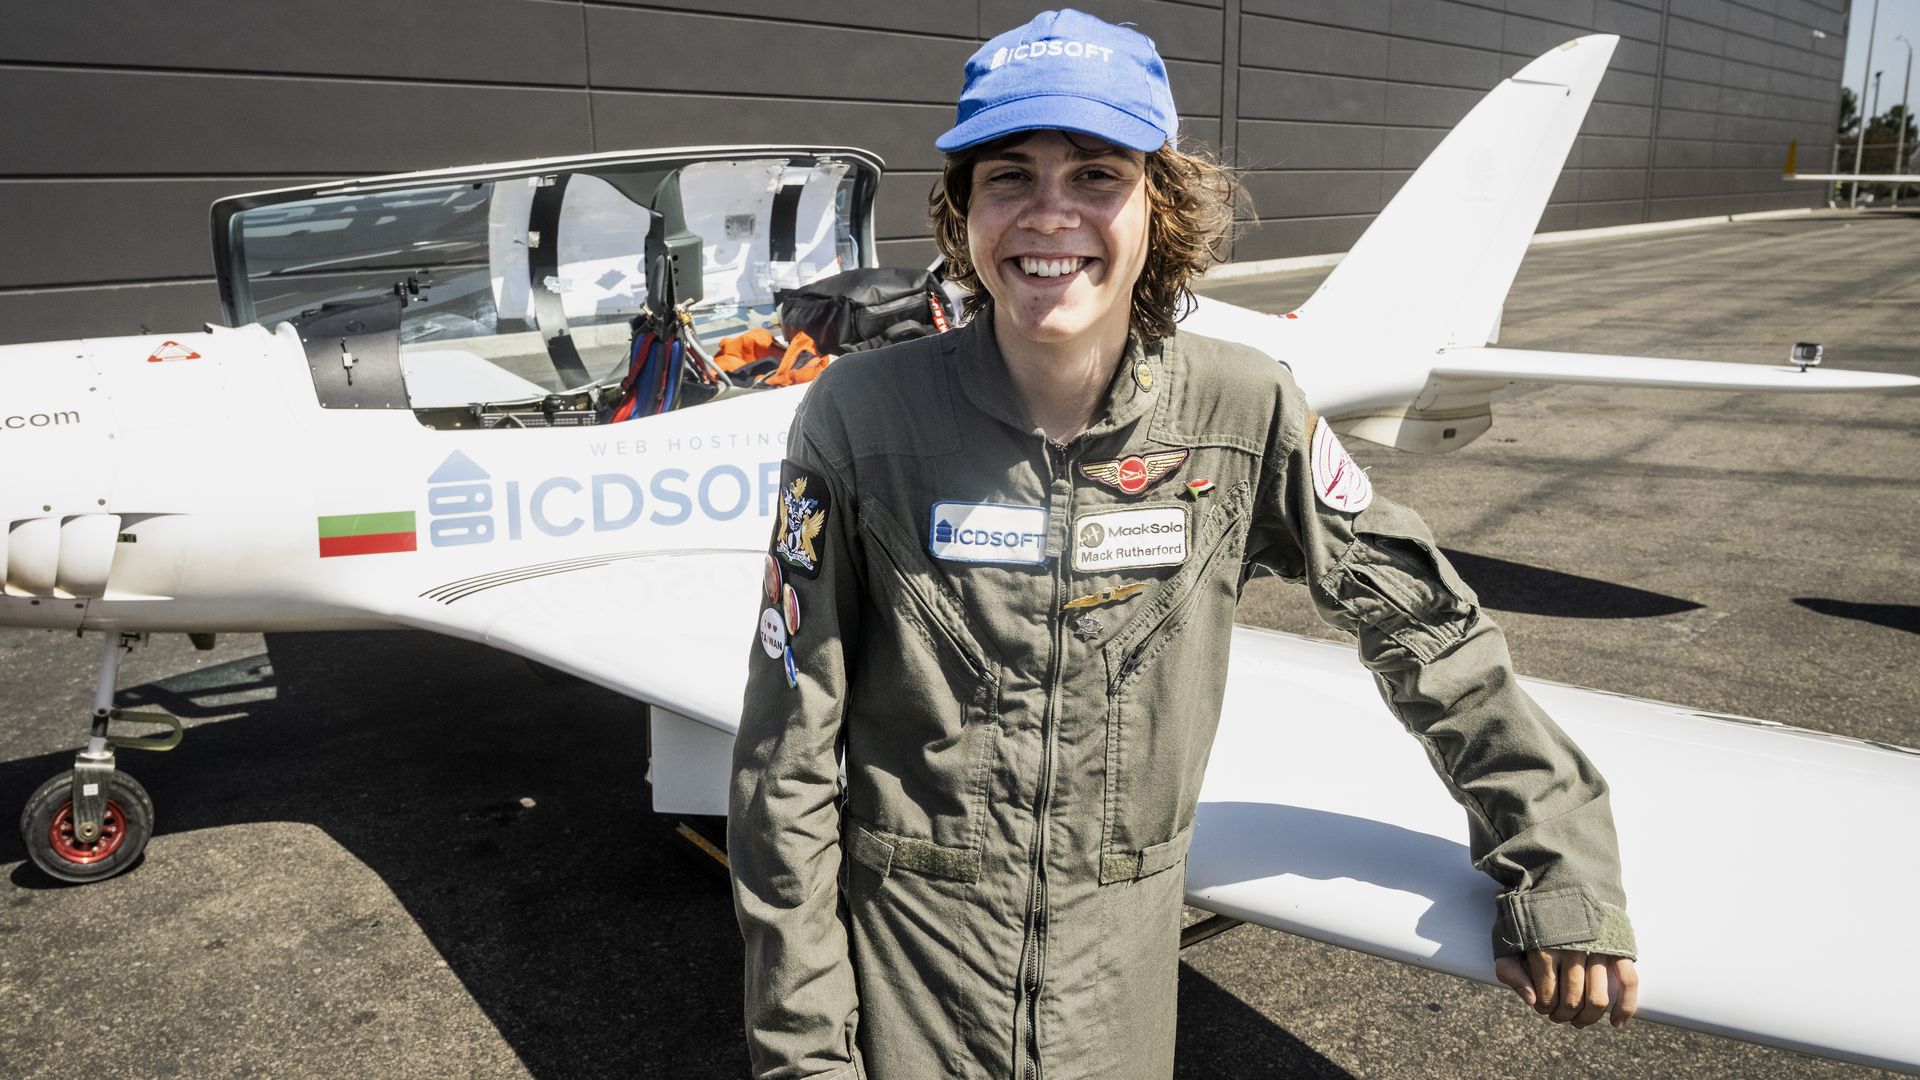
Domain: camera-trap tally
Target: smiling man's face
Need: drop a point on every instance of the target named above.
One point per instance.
(1057, 229)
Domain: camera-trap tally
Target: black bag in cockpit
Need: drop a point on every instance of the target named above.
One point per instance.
(865, 309)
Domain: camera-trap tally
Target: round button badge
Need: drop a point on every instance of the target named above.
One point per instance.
(771, 584)
(773, 633)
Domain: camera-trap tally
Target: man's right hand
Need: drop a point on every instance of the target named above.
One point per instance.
(1571, 985)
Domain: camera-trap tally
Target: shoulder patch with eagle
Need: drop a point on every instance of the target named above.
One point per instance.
(798, 538)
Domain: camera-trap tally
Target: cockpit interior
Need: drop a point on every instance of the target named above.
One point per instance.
(566, 292)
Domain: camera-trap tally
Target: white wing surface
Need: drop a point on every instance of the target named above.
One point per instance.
(1320, 816)
(1474, 365)
(669, 628)
(1763, 864)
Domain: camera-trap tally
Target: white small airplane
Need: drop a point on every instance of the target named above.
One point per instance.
(375, 447)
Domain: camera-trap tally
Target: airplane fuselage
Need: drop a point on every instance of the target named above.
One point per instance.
(194, 482)
(208, 490)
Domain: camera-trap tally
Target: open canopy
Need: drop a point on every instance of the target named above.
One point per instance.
(539, 265)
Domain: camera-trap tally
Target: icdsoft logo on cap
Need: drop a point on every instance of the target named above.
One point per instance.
(1067, 71)
(1036, 50)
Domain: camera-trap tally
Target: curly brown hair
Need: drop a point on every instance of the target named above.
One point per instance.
(1191, 199)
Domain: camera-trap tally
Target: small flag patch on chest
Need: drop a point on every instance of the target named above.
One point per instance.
(1338, 480)
(367, 534)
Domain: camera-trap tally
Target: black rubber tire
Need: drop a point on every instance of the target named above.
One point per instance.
(56, 795)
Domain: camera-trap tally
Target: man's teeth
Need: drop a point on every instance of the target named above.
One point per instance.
(1051, 267)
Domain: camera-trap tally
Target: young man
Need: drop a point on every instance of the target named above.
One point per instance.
(1002, 583)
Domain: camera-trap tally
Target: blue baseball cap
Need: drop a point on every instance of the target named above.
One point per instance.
(1070, 71)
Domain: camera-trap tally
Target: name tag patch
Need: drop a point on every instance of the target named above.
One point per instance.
(1121, 539)
(988, 532)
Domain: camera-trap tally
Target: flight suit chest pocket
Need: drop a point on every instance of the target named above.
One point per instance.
(1167, 671)
(923, 707)
(1211, 564)
(911, 582)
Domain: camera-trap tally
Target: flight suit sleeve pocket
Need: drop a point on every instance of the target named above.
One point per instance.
(1393, 583)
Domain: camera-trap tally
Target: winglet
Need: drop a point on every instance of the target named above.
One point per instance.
(1793, 160)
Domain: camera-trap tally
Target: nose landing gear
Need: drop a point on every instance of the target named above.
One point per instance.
(53, 839)
(93, 822)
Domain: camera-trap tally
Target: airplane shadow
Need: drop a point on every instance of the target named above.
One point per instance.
(1536, 590)
(1220, 1035)
(415, 752)
(1894, 616)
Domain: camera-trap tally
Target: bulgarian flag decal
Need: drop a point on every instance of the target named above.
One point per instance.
(366, 534)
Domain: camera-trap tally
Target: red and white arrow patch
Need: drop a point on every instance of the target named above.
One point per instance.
(171, 350)
(1338, 480)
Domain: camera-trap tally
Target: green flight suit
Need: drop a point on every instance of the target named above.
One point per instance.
(996, 892)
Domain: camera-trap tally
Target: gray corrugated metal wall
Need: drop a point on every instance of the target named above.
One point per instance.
(124, 119)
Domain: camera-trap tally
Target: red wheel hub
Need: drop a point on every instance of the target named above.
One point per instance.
(113, 833)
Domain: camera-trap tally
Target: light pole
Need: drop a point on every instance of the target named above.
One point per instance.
(1860, 142)
(1900, 142)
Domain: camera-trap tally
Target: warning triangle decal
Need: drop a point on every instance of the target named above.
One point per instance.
(171, 350)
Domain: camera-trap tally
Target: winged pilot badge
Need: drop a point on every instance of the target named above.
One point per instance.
(1134, 473)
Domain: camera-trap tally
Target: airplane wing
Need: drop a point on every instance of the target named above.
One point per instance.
(1321, 816)
(1477, 365)
(1413, 310)
(1863, 178)
(1790, 171)
(671, 628)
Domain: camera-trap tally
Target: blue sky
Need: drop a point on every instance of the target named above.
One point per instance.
(1889, 56)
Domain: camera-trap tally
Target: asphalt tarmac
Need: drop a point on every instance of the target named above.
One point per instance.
(396, 855)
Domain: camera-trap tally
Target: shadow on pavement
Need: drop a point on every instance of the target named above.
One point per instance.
(593, 944)
(1894, 616)
(1536, 590)
(589, 937)
(1220, 1035)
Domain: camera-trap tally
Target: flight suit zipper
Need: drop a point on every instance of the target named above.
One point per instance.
(1058, 465)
